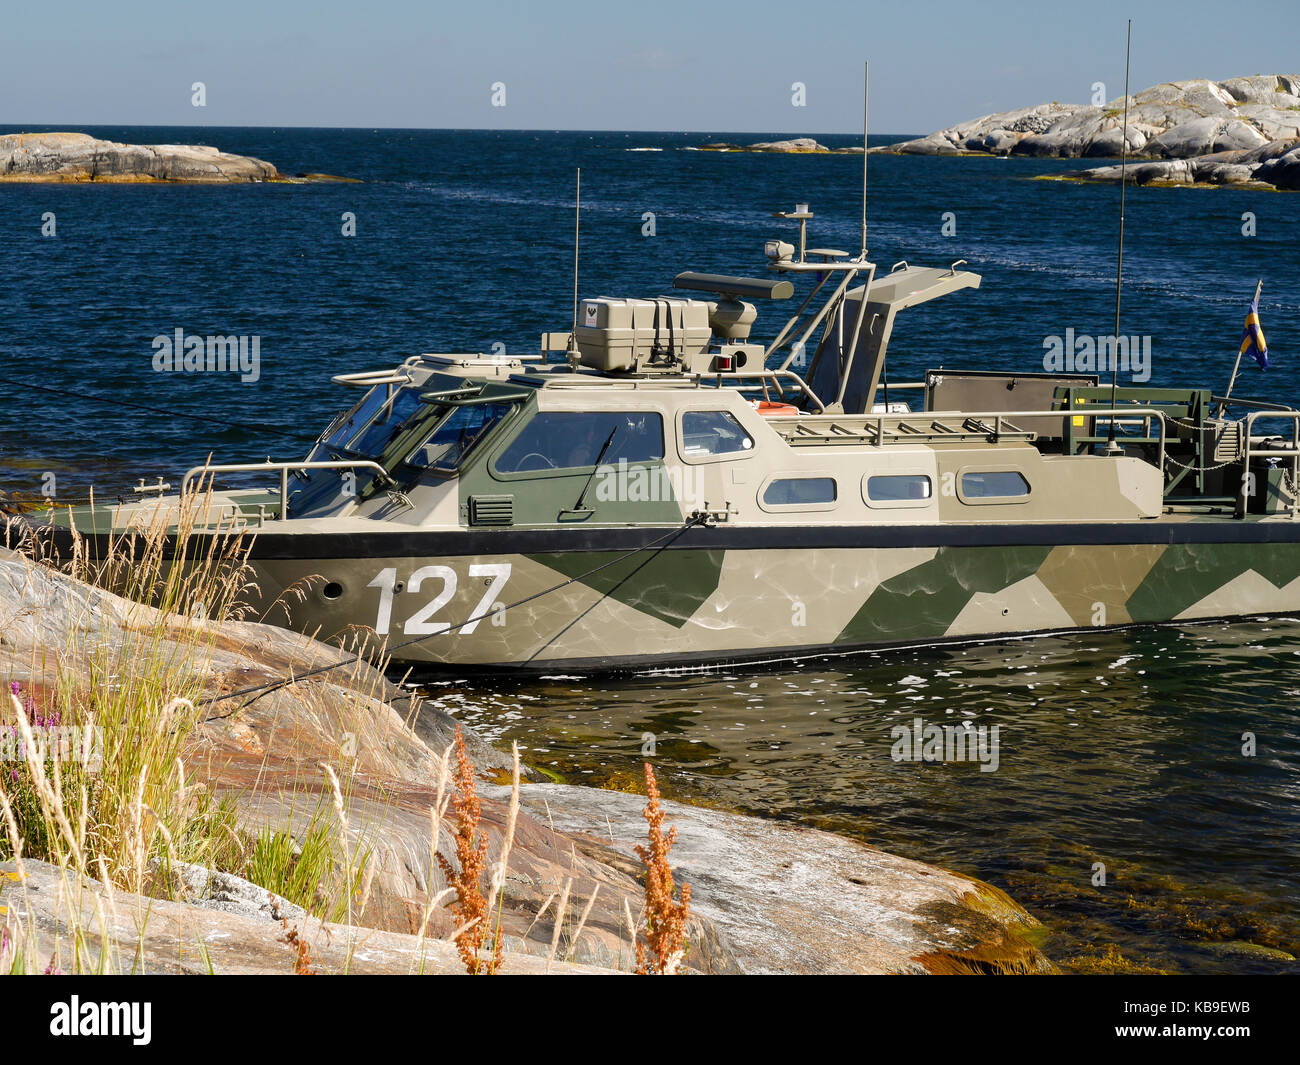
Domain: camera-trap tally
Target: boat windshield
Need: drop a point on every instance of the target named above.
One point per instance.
(385, 423)
(456, 435)
(345, 426)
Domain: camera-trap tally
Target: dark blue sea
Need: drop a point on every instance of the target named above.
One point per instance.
(1124, 750)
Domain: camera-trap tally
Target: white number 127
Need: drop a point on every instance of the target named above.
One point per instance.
(420, 623)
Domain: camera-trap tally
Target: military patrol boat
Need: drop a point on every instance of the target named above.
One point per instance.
(662, 491)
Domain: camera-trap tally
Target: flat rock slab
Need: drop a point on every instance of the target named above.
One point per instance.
(787, 899)
(42, 906)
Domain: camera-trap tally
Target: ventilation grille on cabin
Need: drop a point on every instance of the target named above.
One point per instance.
(491, 510)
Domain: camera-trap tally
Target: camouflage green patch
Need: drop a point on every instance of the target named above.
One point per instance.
(1187, 573)
(923, 602)
(669, 585)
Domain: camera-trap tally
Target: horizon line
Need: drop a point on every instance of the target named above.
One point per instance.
(72, 128)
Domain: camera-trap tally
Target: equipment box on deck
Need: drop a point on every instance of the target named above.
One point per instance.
(616, 334)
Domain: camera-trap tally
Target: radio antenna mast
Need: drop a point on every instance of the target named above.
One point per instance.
(1112, 448)
(865, 67)
(577, 217)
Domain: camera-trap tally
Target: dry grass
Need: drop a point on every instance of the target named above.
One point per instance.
(124, 806)
(130, 688)
(137, 682)
(123, 802)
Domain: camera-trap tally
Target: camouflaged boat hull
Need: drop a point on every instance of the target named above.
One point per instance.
(538, 600)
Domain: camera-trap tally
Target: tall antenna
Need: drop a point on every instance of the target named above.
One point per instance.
(1112, 448)
(865, 66)
(577, 216)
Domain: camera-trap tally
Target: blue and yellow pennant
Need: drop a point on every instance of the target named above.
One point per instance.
(1252, 336)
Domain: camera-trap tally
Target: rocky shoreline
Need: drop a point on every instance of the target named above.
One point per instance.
(77, 158)
(1274, 166)
(1242, 132)
(767, 897)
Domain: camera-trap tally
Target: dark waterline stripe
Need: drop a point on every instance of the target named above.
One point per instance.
(270, 544)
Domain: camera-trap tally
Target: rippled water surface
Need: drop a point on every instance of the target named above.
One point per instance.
(1122, 748)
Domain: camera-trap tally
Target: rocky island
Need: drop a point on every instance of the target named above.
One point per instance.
(790, 146)
(794, 146)
(80, 158)
(1244, 131)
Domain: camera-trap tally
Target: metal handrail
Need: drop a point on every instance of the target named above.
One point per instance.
(369, 378)
(284, 469)
(1258, 404)
(761, 375)
(1293, 452)
(1131, 413)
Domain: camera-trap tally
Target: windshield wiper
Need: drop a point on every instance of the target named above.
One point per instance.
(578, 507)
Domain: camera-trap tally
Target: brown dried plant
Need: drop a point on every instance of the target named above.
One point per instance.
(665, 918)
(471, 906)
(301, 951)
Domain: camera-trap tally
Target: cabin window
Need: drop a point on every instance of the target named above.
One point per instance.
(713, 432)
(898, 487)
(799, 491)
(993, 484)
(455, 436)
(567, 440)
(390, 417)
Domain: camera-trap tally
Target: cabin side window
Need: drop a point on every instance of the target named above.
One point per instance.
(992, 486)
(713, 432)
(567, 440)
(899, 488)
(456, 435)
(799, 491)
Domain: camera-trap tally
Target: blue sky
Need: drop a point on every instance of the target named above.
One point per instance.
(565, 64)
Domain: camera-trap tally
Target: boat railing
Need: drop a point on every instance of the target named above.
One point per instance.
(283, 468)
(956, 426)
(370, 378)
(1253, 404)
(763, 377)
(1292, 452)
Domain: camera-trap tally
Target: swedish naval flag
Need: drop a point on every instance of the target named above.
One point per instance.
(1252, 336)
